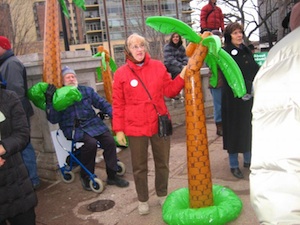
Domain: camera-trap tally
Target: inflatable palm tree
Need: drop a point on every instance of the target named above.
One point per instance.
(196, 204)
(52, 61)
(107, 65)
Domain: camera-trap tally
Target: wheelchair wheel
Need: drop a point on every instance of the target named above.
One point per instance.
(121, 168)
(68, 176)
(98, 186)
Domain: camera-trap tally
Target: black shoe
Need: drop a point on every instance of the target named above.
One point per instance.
(247, 165)
(219, 128)
(36, 186)
(85, 183)
(118, 182)
(219, 133)
(237, 173)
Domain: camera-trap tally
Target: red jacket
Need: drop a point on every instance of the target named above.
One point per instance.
(133, 111)
(211, 17)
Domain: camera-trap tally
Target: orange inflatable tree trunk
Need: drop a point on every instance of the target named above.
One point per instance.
(52, 61)
(106, 74)
(199, 175)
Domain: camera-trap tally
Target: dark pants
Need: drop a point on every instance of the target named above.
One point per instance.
(139, 159)
(89, 150)
(27, 218)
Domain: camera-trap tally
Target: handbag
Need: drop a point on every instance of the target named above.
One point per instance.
(165, 127)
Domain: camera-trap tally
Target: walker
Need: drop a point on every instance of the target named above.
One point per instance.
(68, 160)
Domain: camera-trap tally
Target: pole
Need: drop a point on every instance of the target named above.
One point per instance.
(65, 34)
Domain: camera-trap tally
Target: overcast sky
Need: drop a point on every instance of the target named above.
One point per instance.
(196, 15)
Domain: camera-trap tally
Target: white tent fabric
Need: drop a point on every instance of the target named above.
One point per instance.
(275, 164)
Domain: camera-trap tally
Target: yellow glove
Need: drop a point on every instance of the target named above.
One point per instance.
(121, 139)
(182, 73)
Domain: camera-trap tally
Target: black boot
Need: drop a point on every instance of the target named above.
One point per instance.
(219, 128)
(237, 173)
(113, 179)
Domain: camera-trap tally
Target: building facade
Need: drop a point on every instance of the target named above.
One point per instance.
(104, 22)
(273, 12)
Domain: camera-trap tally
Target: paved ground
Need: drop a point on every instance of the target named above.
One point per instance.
(67, 204)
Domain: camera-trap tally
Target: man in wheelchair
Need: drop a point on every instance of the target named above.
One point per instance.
(79, 122)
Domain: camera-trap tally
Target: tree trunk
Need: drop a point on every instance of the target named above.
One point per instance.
(52, 60)
(199, 174)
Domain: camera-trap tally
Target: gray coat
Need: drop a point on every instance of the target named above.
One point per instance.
(16, 191)
(14, 73)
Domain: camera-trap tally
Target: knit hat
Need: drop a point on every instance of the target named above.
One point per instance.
(4, 43)
(67, 70)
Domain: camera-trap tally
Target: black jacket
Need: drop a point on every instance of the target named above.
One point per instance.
(236, 113)
(16, 191)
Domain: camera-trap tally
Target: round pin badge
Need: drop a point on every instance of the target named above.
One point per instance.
(134, 83)
(234, 52)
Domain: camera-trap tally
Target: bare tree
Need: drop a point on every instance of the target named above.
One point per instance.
(17, 24)
(155, 39)
(254, 15)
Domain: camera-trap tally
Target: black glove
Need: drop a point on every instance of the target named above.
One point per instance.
(49, 93)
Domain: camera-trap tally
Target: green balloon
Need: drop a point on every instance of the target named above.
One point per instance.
(36, 94)
(65, 97)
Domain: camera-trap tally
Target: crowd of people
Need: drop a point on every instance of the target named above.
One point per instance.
(269, 148)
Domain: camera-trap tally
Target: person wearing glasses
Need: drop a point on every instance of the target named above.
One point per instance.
(135, 115)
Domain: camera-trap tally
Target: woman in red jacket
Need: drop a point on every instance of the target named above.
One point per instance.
(134, 114)
(211, 17)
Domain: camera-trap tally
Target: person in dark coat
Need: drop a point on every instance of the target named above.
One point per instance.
(174, 55)
(14, 74)
(88, 128)
(216, 93)
(17, 197)
(236, 112)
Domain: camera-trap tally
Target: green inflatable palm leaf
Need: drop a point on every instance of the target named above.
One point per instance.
(168, 25)
(219, 58)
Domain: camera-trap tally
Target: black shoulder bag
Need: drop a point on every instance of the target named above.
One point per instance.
(165, 127)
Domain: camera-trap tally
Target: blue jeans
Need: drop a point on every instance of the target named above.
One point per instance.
(28, 155)
(217, 100)
(234, 162)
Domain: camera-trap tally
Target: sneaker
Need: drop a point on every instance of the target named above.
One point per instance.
(143, 208)
(118, 182)
(85, 183)
(161, 200)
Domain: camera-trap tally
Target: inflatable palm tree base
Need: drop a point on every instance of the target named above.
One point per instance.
(227, 207)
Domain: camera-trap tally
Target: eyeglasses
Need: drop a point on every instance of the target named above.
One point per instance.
(136, 47)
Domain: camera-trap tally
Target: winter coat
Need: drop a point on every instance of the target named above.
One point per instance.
(83, 112)
(236, 113)
(133, 110)
(275, 164)
(14, 73)
(219, 79)
(211, 18)
(16, 191)
(175, 55)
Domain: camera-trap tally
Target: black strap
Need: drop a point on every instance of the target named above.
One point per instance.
(144, 87)
(209, 14)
